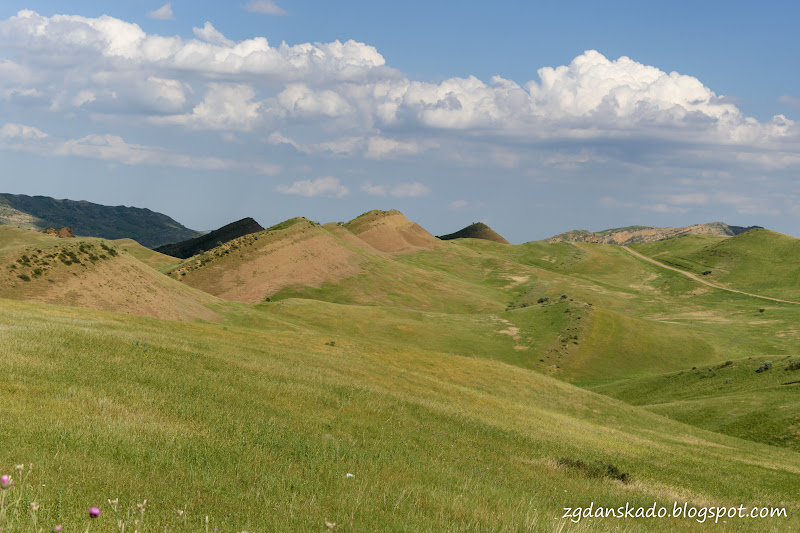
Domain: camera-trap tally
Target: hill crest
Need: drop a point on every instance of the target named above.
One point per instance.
(644, 234)
(391, 232)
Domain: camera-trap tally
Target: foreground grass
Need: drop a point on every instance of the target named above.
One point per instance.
(258, 430)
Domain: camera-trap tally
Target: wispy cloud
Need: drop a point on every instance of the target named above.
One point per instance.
(789, 100)
(113, 148)
(401, 190)
(162, 13)
(267, 7)
(328, 186)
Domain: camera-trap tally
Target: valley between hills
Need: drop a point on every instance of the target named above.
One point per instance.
(370, 376)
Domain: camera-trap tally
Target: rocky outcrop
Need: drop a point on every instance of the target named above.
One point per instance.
(62, 233)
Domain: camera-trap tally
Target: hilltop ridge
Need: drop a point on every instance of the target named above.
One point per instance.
(643, 234)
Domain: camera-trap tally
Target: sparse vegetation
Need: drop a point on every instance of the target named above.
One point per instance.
(595, 469)
(764, 367)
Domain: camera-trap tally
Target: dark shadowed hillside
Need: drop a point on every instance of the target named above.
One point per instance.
(203, 243)
(87, 219)
(477, 230)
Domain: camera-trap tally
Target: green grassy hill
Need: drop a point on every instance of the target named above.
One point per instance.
(757, 261)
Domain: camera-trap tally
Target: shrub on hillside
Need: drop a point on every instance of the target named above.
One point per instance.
(763, 368)
(794, 365)
(596, 469)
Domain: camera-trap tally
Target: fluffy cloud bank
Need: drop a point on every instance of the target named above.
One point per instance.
(341, 98)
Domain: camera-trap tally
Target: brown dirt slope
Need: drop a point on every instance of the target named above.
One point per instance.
(95, 274)
(476, 230)
(642, 234)
(297, 252)
(391, 232)
(203, 243)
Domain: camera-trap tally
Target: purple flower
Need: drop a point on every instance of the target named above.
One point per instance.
(57, 528)
(94, 512)
(5, 481)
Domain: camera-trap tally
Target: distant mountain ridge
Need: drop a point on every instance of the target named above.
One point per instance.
(203, 243)
(148, 227)
(643, 234)
(476, 230)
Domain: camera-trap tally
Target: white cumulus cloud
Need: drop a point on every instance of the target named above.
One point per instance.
(225, 107)
(340, 99)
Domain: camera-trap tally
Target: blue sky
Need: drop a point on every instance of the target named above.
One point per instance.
(533, 118)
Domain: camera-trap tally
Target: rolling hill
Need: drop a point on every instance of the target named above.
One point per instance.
(92, 220)
(94, 274)
(371, 375)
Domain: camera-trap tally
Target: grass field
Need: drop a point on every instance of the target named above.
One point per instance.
(472, 386)
(260, 429)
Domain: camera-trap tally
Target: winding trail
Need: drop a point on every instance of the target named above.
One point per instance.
(701, 280)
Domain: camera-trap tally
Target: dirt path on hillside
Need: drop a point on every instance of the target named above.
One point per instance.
(701, 280)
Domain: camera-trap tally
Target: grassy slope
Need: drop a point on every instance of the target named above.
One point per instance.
(757, 261)
(258, 428)
(729, 398)
(643, 320)
(151, 258)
